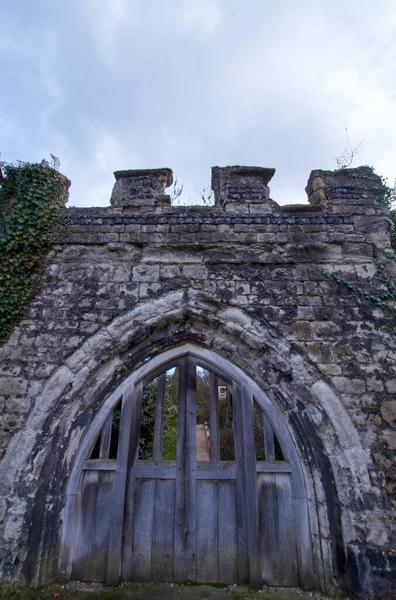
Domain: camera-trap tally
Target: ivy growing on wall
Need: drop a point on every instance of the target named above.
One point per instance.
(32, 218)
(385, 295)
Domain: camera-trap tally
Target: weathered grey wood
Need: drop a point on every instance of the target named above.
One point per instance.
(286, 531)
(106, 467)
(246, 476)
(190, 473)
(142, 530)
(223, 470)
(162, 559)
(84, 559)
(227, 532)
(275, 467)
(105, 437)
(242, 541)
(269, 446)
(255, 578)
(210, 361)
(150, 469)
(153, 470)
(214, 419)
(100, 464)
(102, 525)
(185, 510)
(268, 524)
(180, 487)
(207, 533)
(128, 444)
(159, 417)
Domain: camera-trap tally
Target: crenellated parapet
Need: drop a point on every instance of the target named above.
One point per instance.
(244, 190)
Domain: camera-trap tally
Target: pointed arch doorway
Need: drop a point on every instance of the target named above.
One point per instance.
(187, 474)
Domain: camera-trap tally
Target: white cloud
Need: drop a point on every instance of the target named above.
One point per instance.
(107, 18)
(203, 15)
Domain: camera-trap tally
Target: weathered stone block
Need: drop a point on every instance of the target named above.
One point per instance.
(141, 190)
(145, 273)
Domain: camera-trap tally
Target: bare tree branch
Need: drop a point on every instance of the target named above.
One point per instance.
(347, 157)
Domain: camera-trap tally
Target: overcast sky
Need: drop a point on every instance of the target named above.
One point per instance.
(188, 84)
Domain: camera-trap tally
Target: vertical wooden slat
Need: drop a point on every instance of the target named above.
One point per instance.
(207, 537)
(159, 417)
(162, 557)
(269, 540)
(246, 476)
(227, 532)
(128, 444)
(142, 530)
(185, 514)
(269, 446)
(179, 566)
(214, 419)
(102, 524)
(243, 555)
(191, 471)
(286, 531)
(105, 437)
(84, 554)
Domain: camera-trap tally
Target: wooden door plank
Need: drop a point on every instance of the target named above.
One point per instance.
(102, 524)
(185, 512)
(100, 464)
(128, 444)
(275, 467)
(286, 531)
(159, 417)
(246, 476)
(146, 469)
(162, 558)
(268, 519)
(243, 555)
(142, 530)
(255, 578)
(222, 470)
(105, 437)
(180, 533)
(191, 481)
(214, 419)
(227, 532)
(207, 533)
(85, 538)
(269, 445)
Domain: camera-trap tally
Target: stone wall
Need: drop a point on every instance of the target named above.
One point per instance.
(245, 278)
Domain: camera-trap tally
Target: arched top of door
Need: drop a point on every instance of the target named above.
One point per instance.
(213, 362)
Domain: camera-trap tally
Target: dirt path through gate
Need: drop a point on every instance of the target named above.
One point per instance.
(203, 449)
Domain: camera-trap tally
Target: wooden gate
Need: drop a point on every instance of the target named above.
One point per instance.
(185, 481)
